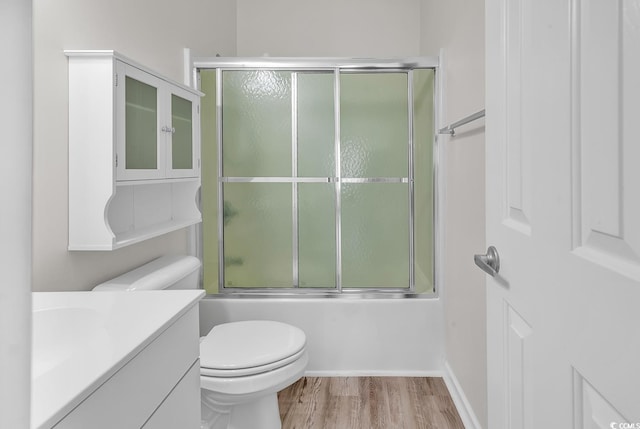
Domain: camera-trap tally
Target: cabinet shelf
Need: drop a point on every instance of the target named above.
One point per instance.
(142, 234)
(112, 205)
(157, 181)
(142, 108)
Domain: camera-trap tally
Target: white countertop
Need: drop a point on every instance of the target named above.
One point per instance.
(81, 339)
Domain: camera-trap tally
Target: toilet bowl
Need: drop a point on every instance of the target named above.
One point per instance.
(240, 379)
(243, 364)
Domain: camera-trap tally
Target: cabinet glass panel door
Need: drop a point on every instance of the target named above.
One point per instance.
(141, 124)
(182, 133)
(139, 110)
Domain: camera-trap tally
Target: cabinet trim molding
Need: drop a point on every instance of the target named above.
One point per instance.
(111, 54)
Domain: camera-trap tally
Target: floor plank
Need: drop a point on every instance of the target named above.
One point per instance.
(368, 403)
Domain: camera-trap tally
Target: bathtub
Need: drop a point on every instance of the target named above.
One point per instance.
(349, 336)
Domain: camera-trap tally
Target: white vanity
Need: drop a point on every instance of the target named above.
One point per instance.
(105, 360)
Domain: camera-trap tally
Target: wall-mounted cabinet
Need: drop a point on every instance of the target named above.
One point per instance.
(134, 152)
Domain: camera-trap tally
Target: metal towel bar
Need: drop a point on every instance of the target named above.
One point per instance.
(451, 128)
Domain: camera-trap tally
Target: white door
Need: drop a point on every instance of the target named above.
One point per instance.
(563, 210)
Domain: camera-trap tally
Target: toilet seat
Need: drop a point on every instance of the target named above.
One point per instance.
(211, 372)
(249, 347)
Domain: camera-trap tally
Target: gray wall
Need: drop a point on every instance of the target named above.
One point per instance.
(151, 32)
(457, 26)
(329, 28)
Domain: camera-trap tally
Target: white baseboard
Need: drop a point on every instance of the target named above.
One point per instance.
(376, 373)
(463, 406)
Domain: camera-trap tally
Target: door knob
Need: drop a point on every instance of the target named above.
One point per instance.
(489, 263)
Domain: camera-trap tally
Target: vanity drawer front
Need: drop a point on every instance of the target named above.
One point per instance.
(133, 394)
(181, 409)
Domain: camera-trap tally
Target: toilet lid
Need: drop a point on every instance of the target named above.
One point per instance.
(249, 344)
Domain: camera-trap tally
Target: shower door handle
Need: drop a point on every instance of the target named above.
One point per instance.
(489, 263)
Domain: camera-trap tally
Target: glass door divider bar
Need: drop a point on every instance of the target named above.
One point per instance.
(220, 184)
(338, 207)
(274, 179)
(412, 269)
(294, 186)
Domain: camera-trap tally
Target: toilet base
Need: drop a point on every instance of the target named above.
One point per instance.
(247, 402)
(263, 413)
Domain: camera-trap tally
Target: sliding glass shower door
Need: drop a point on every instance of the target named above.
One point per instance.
(309, 179)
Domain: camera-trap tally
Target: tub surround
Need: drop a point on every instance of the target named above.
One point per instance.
(349, 337)
(84, 341)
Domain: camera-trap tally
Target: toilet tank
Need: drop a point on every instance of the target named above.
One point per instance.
(166, 272)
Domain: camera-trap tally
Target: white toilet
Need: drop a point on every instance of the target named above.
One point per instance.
(243, 365)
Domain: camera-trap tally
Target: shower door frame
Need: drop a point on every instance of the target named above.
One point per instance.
(335, 66)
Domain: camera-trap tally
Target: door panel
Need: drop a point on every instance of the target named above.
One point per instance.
(374, 119)
(592, 410)
(375, 235)
(141, 125)
(562, 151)
(518, 180)
(518, 370)
(607, 76)
(182, 139)
(139, 110)
(316, 235)
(257, 235)
(315, 126)
(256, 123)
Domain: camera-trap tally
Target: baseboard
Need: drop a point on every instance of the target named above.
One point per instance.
(465, 411)
(376, 373)
(463, 406)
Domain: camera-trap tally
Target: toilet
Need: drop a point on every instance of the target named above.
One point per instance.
(243, 364)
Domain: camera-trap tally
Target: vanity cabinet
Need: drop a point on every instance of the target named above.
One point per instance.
(134, 152)
(157, 388)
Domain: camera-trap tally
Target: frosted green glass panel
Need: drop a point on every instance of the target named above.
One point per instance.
(256, 123)
(209, 181)
(182, 138)
(424, 132)
(375, 235)
(141, 125)
(316, 129)
(257, 217)
(258, 235)
(316, 235)
(374, 125)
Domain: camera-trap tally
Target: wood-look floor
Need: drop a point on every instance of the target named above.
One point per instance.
(368, 403)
